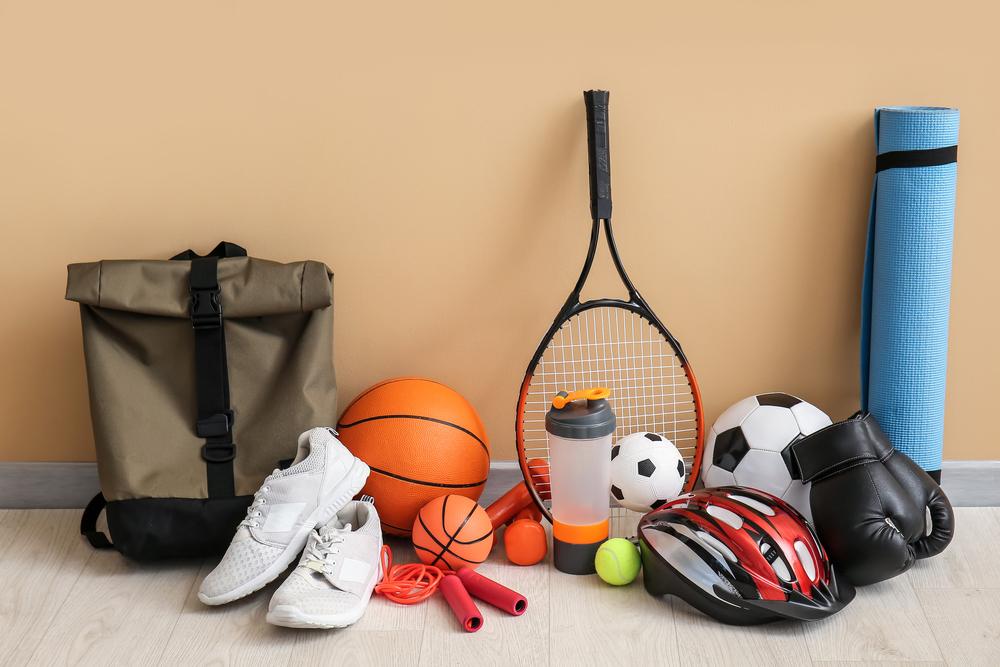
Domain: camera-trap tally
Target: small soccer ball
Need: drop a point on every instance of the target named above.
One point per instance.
(646, 471)
(749, 446)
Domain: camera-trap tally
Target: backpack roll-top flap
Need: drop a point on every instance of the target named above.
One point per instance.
(249, 287)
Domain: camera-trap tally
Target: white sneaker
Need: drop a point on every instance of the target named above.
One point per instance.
(333, 581)
(322, 479)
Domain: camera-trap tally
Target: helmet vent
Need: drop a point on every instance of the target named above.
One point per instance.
(726, 516)
(781, 570)
(777, 563)
(716, 544)
(806, 559)
(667, 542)
(754, 504)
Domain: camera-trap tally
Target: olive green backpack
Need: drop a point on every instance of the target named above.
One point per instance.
(202, 372)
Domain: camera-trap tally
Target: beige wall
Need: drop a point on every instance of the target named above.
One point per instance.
(434, 157)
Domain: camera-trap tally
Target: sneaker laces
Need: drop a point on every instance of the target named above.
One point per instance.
(322, 549)
(259, 500)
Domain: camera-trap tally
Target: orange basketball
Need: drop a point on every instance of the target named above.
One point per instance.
(452, 532)
(421, 439)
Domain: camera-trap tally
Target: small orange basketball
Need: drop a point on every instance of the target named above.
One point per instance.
(421, 439)
(452, 532)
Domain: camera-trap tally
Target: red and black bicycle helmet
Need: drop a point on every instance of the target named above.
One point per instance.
(741, 556)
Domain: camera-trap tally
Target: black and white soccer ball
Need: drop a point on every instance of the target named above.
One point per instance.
(646, 471)
(749, 446)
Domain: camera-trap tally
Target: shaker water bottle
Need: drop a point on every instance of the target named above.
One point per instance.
(579, 426)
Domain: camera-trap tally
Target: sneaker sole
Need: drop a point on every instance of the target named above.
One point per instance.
(349, 487)
(288, 616)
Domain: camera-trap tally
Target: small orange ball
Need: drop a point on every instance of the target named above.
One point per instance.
(452, 532)
(525, 542)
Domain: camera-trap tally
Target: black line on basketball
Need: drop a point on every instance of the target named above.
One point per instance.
(470, 485)
(439, 554)
(478, 539)
(389, 525)
(452, 553)
(430, 534)
(444, 525)
(341, 426)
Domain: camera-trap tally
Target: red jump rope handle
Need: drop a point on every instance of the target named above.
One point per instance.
(461, 604)
(492, 593)
(506, 506)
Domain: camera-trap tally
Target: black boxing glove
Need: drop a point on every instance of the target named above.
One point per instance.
(873, 508)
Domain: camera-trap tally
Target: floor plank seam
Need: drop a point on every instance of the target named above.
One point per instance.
(677, 635)
(180, 612)
(423, 634)
(548, 587)
(66, 598)
(927, 619)
(805, 641)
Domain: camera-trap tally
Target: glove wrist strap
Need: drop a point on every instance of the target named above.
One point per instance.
(852, 442)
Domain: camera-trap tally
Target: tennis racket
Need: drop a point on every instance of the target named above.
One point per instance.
(608, 342)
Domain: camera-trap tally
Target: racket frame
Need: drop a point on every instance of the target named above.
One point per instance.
(600, 188)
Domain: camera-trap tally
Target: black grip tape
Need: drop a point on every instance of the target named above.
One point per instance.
(599, 153)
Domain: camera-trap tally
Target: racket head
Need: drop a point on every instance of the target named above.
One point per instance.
(623, 346)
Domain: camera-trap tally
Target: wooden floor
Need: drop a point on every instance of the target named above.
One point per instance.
(63, 603)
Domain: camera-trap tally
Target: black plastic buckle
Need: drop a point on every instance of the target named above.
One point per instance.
(218, 452)
(216, 425)
(206, 308)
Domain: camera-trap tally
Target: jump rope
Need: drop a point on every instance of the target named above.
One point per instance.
(412, 583)
(407, 583)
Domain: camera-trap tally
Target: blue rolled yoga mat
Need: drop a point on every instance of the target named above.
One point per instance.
(907, 282)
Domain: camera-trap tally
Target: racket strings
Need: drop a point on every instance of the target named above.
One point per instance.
(619, 349)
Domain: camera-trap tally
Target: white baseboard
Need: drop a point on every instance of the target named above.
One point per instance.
(70, 485)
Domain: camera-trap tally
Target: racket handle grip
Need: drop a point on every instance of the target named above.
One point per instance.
(599, 153)
(461, 604)
(492, 593)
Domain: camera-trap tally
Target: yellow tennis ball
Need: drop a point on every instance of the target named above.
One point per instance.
(617, 562)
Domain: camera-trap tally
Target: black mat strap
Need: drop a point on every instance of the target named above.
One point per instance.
(928, 157)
